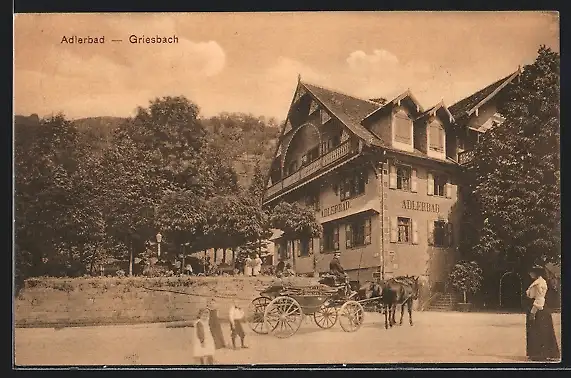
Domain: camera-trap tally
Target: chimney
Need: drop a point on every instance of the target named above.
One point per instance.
(379, 100)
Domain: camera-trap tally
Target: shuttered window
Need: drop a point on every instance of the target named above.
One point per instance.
(440, 234)
(440, 182)
(358, 232)
(353, 185)
(330, 237)
(392, 176)
(348, 236)
(414, 230)
(367, 231)
(403, 177)
(436, 137)
(403, 128)
(413, 181)
(403, 230)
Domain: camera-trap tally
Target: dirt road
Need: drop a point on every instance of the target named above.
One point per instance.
(435, 337)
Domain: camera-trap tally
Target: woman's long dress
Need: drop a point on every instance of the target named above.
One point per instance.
(541, 343)
(216, 329)
(248, 267)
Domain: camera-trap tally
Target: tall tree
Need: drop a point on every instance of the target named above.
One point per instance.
(258, 185)
(515, 174)
(57, 214)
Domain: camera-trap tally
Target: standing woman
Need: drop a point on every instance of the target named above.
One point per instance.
(257, 266)
(215, 326)
(541, 341)
(248, 267)
(203, 342)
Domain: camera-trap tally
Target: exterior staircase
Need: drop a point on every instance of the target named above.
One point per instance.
(443, 302)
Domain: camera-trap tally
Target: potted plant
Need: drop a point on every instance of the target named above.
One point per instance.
(466, 277)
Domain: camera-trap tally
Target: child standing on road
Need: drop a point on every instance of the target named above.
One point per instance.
(203, 342)
(236, 318)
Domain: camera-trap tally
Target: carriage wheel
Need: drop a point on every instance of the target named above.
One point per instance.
(325, 317)
(283, 317)
(256, 314)
(351, 316)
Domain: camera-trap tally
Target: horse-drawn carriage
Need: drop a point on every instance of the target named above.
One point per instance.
(281, 308)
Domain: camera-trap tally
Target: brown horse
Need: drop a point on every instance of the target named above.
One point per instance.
(399, 290)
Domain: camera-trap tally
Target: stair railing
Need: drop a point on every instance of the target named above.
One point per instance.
(429, 301)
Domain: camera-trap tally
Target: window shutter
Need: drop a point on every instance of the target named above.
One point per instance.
(413, 183)
(368, 231)
(414, 226)
(430, 237)
(450, 234)
(393, 226)
(310, 246)
(289, 249)
(393, 177)
(336, 238)
(430, 184)
(448, 189)
(348, 236)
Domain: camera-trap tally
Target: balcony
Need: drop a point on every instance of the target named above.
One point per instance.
(324, 161)
(465, 157)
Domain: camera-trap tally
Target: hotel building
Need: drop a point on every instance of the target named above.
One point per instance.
(383, 177)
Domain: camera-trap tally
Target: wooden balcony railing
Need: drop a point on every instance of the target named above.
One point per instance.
(305, 171)
(465, 157)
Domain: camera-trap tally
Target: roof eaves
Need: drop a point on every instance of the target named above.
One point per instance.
(397, 101)
(369, 140)
(495, 92)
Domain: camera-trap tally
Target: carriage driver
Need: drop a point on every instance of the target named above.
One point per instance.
(335, 267)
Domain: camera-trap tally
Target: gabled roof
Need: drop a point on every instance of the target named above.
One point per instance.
(439, 110)
(347, 109)
(470, 104)
(405, 96)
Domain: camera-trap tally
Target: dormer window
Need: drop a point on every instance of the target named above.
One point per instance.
(436, 137)
(403, 128)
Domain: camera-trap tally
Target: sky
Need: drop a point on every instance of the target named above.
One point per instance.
(249, 62)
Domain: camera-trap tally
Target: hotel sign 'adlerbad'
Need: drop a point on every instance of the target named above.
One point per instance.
(420, 206)
(406, 204)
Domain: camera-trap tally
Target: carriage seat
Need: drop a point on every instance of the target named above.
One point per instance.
(333, 280)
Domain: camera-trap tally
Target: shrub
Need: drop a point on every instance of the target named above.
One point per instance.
(120, 273)
(466, 277)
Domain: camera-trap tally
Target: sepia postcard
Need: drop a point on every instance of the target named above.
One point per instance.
(286, 188)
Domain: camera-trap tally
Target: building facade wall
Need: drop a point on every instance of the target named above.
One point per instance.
(384, 204)
(421, 258)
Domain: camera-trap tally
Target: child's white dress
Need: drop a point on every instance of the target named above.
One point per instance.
(200, 331)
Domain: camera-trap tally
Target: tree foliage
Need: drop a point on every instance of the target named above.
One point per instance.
(56, 195)
(296, 221)
(466, 277)
(515, 201)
